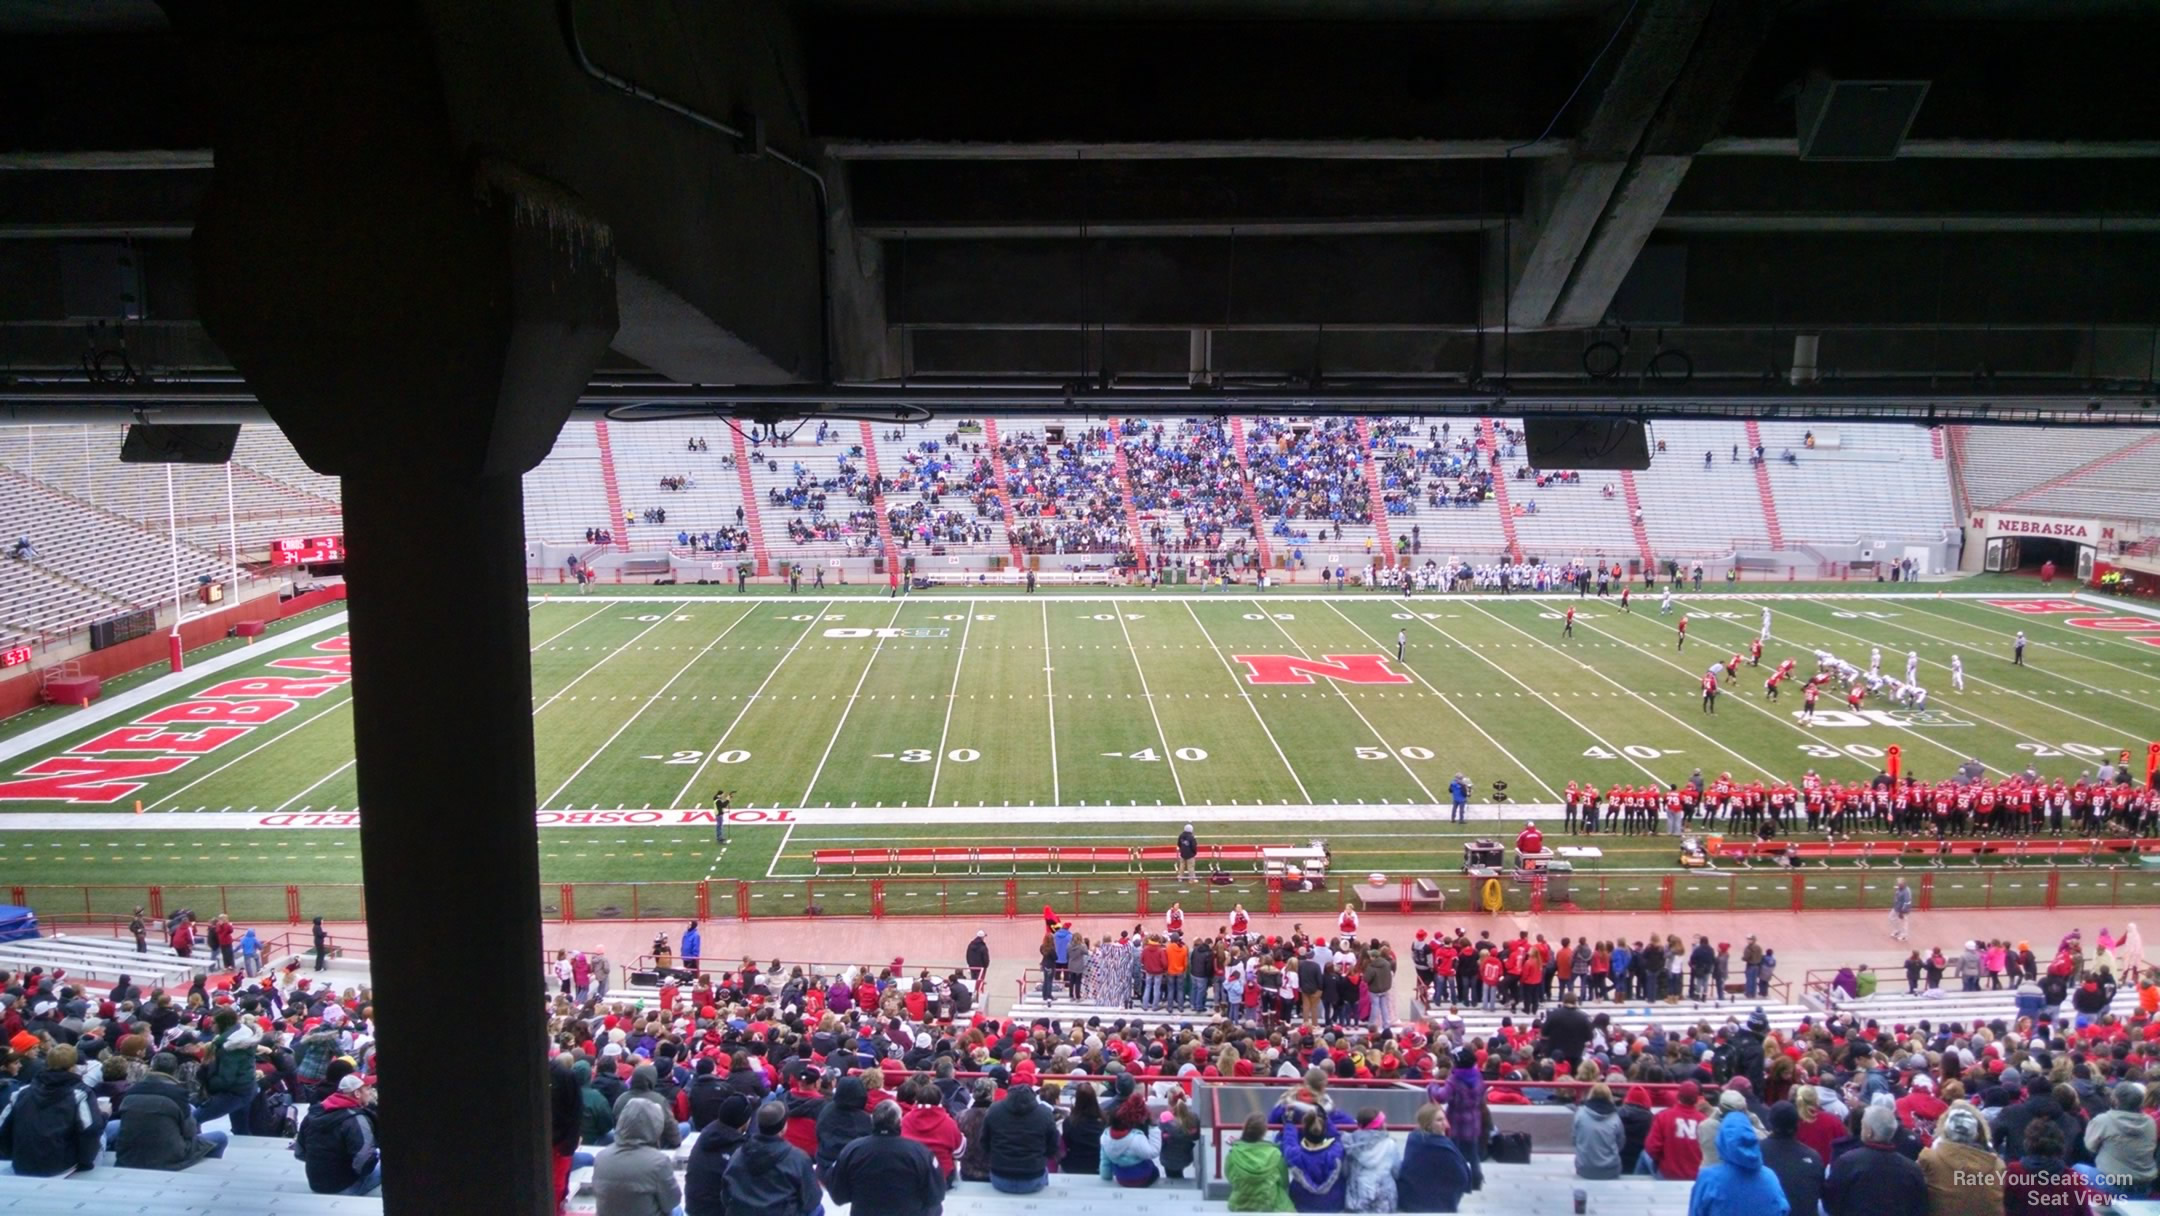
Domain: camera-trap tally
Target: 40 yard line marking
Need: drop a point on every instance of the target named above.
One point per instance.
(646, 704)
(816, 618)
(1249, 704)
(1169, 754)
(1448, 701)
(849, 708)
(1050, 699)
(937, 764)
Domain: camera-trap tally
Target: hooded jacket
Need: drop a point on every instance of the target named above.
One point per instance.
(804, 1105)
(232, 1067)
(1433, 1174)
(644, 1087)
(1672, 1145)
(898, 1173)
(599, 1117)
(705, 1177)
(1635, 1116)
(1599, 1138)
(51, 1126)
(1374, 1157)
(157, 1127)
(1020, 1136)
(1131, 1158)
(635, 1177)
(705, 1094)
(770, 1177)
(1318, 1173)
(1799, 1170)
(928, 1125)
(1259, 1181)
(844, 1120)
(338, 1144)
(1738, 1185)
(1964, 1179)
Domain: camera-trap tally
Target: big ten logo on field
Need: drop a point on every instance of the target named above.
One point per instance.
(1296, 669)
(117, 763)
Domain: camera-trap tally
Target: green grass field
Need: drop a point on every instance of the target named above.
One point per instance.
(1112, 706)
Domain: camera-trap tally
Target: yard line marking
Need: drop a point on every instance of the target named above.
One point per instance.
(777, 853)
(581, 620)
(1339, 691)
(2054, 674)
(1450, 703)
(1977, 680)
(644, 705)
(1252, 705)
(848, 708)
(1602, 741)
(1169, 754)
(937, 764)
(1777, 715)
(1682, 724)
(665, 617)
(285, 734)
(311, 789)
(1050, 700)
(749, 701)
(2054, 621)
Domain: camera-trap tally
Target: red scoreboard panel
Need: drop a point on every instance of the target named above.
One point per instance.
(314, 551)
(14, 656)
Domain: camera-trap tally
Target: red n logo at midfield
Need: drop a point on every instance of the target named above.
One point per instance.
(1296, 669)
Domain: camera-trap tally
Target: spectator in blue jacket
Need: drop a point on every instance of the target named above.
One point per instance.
(1737, 1185)
(692, 947)
(1319, 1175)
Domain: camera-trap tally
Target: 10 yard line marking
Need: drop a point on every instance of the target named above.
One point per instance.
(2054, 621)
(1252, 705)
(644, 705)
(937, 764)
(1445, 699)
(849, 708)
(1169, 755)
(281, 735)
(1050, 699)
(581, 620)
(720, 742)
(312, 788)
(665, 617)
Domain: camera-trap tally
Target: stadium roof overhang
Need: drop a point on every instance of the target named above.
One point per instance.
(1283, 205)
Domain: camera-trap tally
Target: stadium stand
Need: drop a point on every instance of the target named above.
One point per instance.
(1872, 483)
(565, 494)
(2001, 463)
(1692, 506)
(2118, 484)
(92, 550)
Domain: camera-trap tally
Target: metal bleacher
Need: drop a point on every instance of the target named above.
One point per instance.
(1877, 483)
(2001, 463)
(256, 1174)
(1690, 508)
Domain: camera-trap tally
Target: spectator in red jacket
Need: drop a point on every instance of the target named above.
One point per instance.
(923, 1119)
(1671, 1145)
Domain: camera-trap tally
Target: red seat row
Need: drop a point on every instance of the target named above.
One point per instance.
(974, 858)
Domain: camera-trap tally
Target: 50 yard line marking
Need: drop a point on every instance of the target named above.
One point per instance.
(1169, 754)
(815, 619)
(849, 708)
(1250, 704)
(1050, 699)
(937, 764)
(646, 704)
(1377, 736)
(1450, 703)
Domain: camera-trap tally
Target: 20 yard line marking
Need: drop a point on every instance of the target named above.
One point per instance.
(646, 704)
(1169, 754)
(1050, 700)
(720, 742)
(1250, 704)
(937, 765)
(845, 710)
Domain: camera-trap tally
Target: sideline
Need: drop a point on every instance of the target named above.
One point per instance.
(1244, 594)
(1315, 816)
(150, 690)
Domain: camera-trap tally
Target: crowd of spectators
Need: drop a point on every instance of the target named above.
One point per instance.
(1064, 496)
(1186, 483)
(1309, 472)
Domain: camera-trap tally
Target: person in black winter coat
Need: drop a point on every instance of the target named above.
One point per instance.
(899, 1173)
(705, 1179)
(1797, 1167)
(1083, 1132)
(157, 1123)
(746, 1079)
(843, 1121)
(1635, 1119)
(51, 1125)
(978, 956)
(768, 1176)
(707, 1090)
(1020, 1135)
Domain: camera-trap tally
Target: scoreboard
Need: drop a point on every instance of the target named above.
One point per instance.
(313, 551)
(14, 656)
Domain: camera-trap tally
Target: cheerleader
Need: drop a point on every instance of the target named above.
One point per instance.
(1174, 919)
(1240, 923)
(1346, 924)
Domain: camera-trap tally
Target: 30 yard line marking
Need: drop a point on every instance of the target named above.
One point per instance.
(646, 704)
(720, 742)
(848, 708)
(1377, 736)
(1303, 796)
(1169, 753)
(1448, 701)
(937, 763)
(1050, 699)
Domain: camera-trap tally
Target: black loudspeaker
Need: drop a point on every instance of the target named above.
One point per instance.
(645, 979)
(1586, 443)
(179, 443)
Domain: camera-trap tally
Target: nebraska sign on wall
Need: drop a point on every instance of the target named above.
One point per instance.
(2084, 531)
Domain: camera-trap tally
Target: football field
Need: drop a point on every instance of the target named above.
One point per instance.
(1106, 719)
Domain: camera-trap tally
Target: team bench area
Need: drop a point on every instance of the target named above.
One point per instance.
(1938, 852)
(975, 859)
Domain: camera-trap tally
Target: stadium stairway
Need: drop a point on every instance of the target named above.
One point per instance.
(1635, 519)
(1252, 496)
(1376, 495)
(1122, 470)
(1762, 486)
(998, 487)
(877, 501)
(750, 502)
(1491, 452)
(611, 487)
